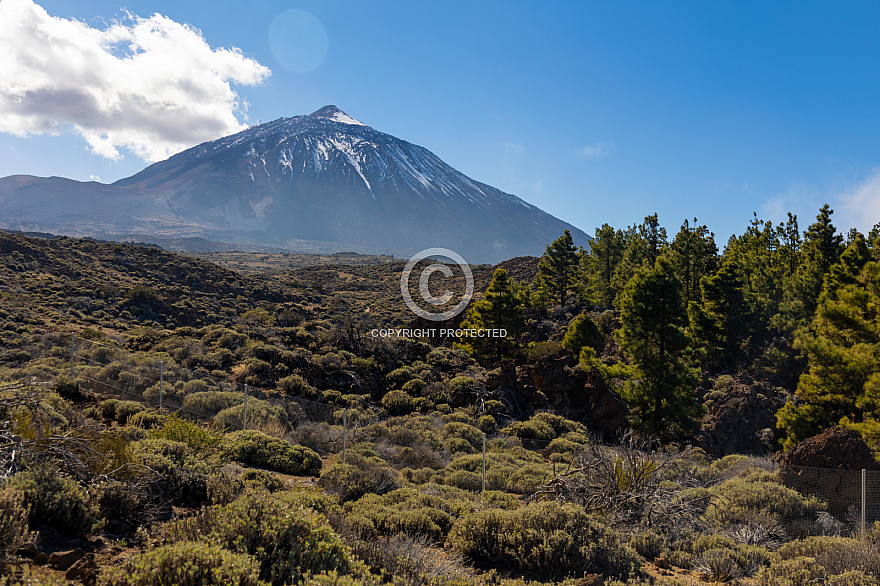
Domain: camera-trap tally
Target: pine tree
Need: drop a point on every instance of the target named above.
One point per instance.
(821, 250)
(652, 334)
(694, 254)
(559, 266)
(644, 243)
(842, 384)
(501, 308)
(721, 325)
(606, 252)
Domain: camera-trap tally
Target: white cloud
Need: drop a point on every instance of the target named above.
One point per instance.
(149, 85)
(859, 206)
(600, 149)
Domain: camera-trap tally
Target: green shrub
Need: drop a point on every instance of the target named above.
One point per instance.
(739, 501)
(255, 448)
(57, 502)
(185, 564)
(487, 424)
(582, 331)
(125, 409)
(465, 431)
(813, 546)
(287, 541)
(147, 419)
(259, 413)
(545, 539)
(108, 408)
(297, 385)
(212, 401)
(262, 479)
(461, 384)
(853, 578)
(397, 403)
(182, 430)
(544, 426)
(414, 387)
(403, 511)
(13, 520)
(800, 571)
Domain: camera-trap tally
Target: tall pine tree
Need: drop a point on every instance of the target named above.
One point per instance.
(661, 398)
(720, 327)
(500, 308)
(694, 254)
(559, 266)
(606, 252)
(842, 384)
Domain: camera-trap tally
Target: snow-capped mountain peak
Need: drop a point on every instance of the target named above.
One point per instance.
(331, 112)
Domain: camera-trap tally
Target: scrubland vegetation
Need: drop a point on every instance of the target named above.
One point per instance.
(661, 330)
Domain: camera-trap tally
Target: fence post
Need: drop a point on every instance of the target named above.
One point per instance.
(484, 462)
(161, 380)
(344, 433)
(72, 353)
(244, 423)
(864, 501)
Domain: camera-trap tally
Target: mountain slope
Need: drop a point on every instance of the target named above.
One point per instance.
(323, 177)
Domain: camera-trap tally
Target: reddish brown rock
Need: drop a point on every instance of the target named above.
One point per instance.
(62, 560)
(85, 570)
(835, 447)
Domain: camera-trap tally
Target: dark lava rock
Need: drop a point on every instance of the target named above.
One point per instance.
(741, 420)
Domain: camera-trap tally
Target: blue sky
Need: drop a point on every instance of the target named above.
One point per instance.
(594, 111)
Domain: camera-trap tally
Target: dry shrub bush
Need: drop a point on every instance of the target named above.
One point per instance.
(547, 540)
(633, 485)
(352, 481)
(312, 434)
(288, 541)
(413, 558)
(56, 501)
(185, 564)
(13, 520)
(649, 544)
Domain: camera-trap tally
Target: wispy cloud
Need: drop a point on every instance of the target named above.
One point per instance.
(800, 199)
(513, 148)
(149, 85)
(859, 206)
(600, 149)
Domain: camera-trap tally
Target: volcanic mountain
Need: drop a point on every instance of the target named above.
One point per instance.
(320, 178)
